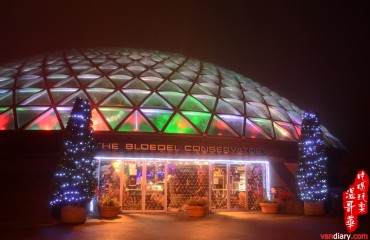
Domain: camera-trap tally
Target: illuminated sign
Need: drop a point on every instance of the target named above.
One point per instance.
(187, 148)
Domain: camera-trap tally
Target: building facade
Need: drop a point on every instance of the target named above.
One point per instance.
(168, 127)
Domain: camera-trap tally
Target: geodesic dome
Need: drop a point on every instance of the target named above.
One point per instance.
(140, 91)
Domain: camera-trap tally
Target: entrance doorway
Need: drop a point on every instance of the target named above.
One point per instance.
(167, 186)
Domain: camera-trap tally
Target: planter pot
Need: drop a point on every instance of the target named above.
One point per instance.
(73, 215)
(314, 208)
(269, 207)
(196, 211)
(108, 211)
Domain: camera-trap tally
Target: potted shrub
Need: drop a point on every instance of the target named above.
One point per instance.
(108, 206)
(196, 207)
(271, 205)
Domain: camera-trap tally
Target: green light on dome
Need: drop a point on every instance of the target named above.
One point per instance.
(198, 119)
(114, 115)
(179, 124)
(158, 117)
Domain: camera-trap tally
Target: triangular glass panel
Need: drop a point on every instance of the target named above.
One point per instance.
(102, 82)
(3, 109)
(108, 67)
(272, 101)
(187, 72)
(192, 104)
(178, 76)
(173, 97)
(67, 83)
(157, 117)
(237, 104)
(208, 101)
(235, 122)
(251, 96)
(135, 57)
(123, 60)
(6, 97)
(179, 124)
(147, 61)
(226, 108)
(91, 72)
(116, 100)
(97, 94)
(155, 101)
(151, 78)
(70, 100)
(198, 89)
(56, 78)
(183, 84)
(285, 131)
(54, 67)
(279, 114)
(170, 64)
(114, 115)
(120, 77)
(30, 81)
(253, 131)
(296, 117)
(59, 94)
(136, 67)
(26, 114)
(256, 110)
(298, 129)
(264, 90)
(6, 82)
(229, 82)
(136, 84)
(209, 78)
(86, 79)
(136, 123)
(170, 87)
(7, 120)
(199, 119)
(99, 59)
(286, 104)
(98, 124)
(136, 95)
(64, 114)
(264, 124)
(47, 121)
(231, 92)
(80, 67)
(164, 71)
(211, 87)
(41, 98)
(220, 128)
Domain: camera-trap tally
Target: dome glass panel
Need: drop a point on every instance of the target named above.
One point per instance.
(153, 92)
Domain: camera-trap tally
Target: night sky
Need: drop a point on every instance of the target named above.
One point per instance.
(314, 53)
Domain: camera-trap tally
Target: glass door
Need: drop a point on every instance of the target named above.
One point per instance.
(154, 187)
(132, 189)
(237, 181)
(219, 199)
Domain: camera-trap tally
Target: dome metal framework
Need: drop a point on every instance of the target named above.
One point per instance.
(143, 91)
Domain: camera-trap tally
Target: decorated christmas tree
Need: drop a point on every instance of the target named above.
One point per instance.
(75, 182)
(312, 163)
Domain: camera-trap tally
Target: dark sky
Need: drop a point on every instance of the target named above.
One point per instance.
(314, 53)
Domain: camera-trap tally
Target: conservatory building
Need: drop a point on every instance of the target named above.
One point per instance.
(167, 127)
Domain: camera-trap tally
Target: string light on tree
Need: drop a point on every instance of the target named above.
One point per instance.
(312, 171)
(74, 179)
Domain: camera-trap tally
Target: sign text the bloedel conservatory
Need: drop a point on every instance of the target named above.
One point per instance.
(203, 149)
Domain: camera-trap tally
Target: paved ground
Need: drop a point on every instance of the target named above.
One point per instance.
(226, 226)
